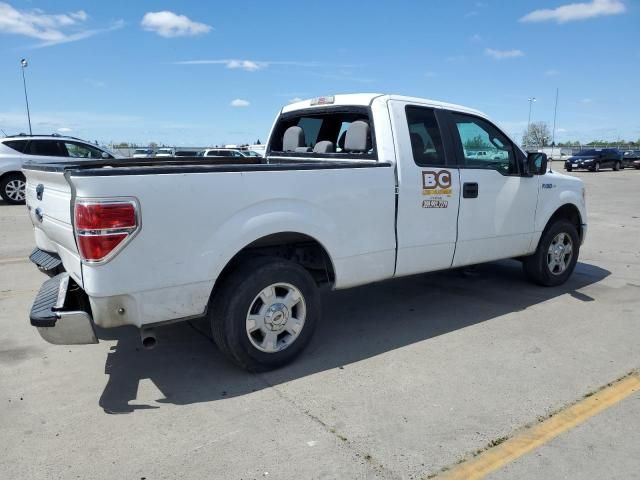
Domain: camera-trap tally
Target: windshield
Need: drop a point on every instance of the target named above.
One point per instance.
(587, 153)
(141, 150)
(164, 150)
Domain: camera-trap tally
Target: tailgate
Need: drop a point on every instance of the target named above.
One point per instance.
(49, 201)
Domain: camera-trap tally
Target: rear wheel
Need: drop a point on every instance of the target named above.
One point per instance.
(265, 312)
(569, 169)
(556, 256)
(12, 188)
(616, 166)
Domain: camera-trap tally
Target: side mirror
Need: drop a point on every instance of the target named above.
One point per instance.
(105, 155)
(537, 163)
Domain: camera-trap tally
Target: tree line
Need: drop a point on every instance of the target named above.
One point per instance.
(538, 135)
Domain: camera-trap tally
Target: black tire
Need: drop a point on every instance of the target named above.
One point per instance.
(616, 167)
(596, 167)
(536, 266)
(569, 169)
(231, 302)
(7, 188)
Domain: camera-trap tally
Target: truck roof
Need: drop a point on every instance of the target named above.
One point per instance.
(365, 99)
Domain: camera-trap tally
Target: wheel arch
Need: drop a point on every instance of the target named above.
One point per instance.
(11, 172)
(570, 212)
(298, 247)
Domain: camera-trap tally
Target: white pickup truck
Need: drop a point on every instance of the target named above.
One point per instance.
(353, 189)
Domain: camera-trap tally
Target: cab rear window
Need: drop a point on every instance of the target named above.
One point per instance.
(334, 132)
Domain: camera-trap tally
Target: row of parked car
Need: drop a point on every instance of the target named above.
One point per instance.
(597, 159)
(167, 152)
(15, 150)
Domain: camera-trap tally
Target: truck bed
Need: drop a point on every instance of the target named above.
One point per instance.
(136, 166)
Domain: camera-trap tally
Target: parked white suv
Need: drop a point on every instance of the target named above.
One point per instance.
(38, 148)
(166, 152)
(225, 152)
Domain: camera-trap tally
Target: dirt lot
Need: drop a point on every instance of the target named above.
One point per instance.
(402, 379)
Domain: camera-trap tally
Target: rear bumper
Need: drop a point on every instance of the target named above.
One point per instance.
(61, 314)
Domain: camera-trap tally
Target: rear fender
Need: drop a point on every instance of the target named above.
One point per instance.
(268, 218)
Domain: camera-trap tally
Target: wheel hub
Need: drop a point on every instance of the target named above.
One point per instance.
(276, 317)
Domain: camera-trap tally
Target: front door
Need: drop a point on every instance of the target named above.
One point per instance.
(429, 190)
(498, 203)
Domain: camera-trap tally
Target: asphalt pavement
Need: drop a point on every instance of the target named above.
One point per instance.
(404, 379)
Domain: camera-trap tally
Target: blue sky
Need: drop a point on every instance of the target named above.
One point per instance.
(120, 71)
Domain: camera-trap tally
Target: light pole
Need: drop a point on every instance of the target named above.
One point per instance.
(24, 65)
(531, 100)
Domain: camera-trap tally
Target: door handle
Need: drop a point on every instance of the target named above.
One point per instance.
(470, 190)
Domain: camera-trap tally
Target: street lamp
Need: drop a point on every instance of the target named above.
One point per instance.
(531, 100)
(24, 65)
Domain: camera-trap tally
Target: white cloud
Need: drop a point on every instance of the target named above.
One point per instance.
(475, 38)
(576, 11)
(65, 129)
(586, 101)
(551, 73)
(503, 54)
(35, 23)
(239, 102)
(51, 29)
(255, 65)
(118, 24)
(430, 74)
(168, 24)
(248, 65)
(295, 100)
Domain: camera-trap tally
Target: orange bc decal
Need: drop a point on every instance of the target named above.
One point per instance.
(436, 182)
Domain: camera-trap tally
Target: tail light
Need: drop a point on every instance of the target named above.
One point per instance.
(104, 226)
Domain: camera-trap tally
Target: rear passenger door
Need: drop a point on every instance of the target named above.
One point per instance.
(429, 190)
(498, 201)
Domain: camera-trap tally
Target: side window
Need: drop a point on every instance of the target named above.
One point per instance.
(47, 148)
(18, 145)
(80, 150)
(484, 146)
(424, 133)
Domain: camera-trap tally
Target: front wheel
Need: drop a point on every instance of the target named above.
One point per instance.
(12, 188)
(556, 256)
(265, 312)
(569, 169)
(616, 166)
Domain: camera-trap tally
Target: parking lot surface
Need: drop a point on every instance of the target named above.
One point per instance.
(402, 380)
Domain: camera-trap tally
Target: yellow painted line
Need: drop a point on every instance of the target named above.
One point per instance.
(534, 437)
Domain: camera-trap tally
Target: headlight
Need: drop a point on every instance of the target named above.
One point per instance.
(589, 161)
